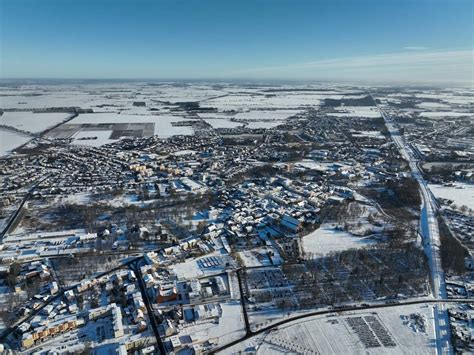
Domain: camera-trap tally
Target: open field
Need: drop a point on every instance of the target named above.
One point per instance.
(356, 111)
(32, 122)
(11, 140)
(460, 194)
(326, 239)
(399, 330)
(102, 128)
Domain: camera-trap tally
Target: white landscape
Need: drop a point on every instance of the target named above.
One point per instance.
(356, 111)
(236, 177)
(162, 123)
(11, 140)
(447, 114)
(32, 122)
(461, 194)
(154, 171)
(327, 239)
(330, 334)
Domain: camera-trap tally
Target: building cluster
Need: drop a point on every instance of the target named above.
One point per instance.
(98, 311)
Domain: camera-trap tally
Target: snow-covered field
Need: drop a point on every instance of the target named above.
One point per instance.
(326, 239)
(186, 93)
(103, 137)
(254, 118)
(265, 119)
(331, 334)
(222, 123)
(461, 194)
(11, 140)
(32, 122)
(441, 114)
(163, 126)
(429, 105)
(80, 198)
(251, 102)
(369, 134)
(356, 111)
(321, 166)
(115, 96)
(460, 98)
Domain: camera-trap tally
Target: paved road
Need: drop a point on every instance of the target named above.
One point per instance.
(15, 216)
(431, 239)
(349, 308)
(135, 266)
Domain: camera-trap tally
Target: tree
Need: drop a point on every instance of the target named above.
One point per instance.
(13, 273)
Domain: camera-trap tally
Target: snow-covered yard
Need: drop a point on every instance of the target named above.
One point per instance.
(230, 327)
(193, 268)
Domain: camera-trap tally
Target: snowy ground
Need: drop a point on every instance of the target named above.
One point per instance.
(255, 257)
(369, 134)
(283, 100)
(32, 122)
(331, 334)
(356, 111)
(441, 114)
(222, 123)
(11, 140)
(231, 326)
(191, 268)
(311, 164)
(461, 98)
(163, 127)
(429, 105)
(326, 239)
(103, 137)
(461, 194)
(80, 198)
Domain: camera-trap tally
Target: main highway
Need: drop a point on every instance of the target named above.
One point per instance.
(431, 239)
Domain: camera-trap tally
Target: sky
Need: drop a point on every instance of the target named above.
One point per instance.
(419, 41)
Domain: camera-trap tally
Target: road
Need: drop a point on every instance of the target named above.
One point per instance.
(242, 303)
(34, 312)
(15, 216)
(349, 308)
(431, 239)
(135, 266)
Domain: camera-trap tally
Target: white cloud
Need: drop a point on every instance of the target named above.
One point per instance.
(413, 66)
(415, 48)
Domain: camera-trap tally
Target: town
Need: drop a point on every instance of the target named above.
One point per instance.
(175, 218)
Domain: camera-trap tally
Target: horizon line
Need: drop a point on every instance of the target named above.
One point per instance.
(435, 83)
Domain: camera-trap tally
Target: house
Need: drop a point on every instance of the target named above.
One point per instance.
(169, 328)
(53, 288)
(290, 224)
(166, 293)
(469, 262)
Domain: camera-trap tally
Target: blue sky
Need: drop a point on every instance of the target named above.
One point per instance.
(382, 40)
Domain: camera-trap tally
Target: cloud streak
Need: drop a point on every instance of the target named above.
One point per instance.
(412, 66)
(415, 48)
